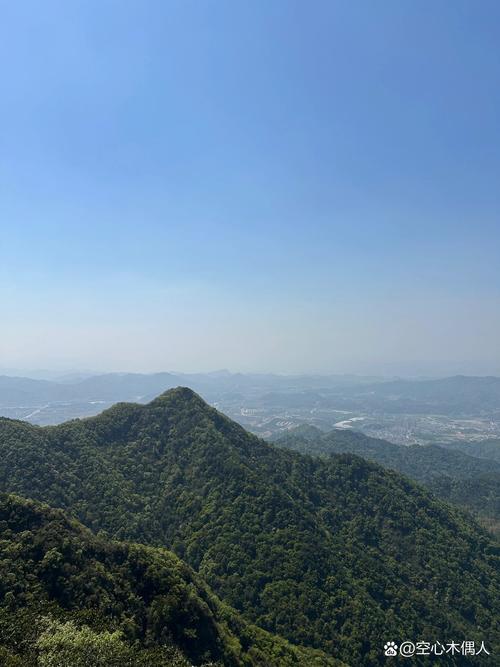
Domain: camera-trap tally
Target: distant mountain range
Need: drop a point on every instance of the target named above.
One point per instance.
(460, 394)
(335, 554)
(455, 395)
(112, 387)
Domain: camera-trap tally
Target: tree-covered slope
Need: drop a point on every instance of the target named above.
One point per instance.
(483, 449)
(117, 603)
(455, 476)
(421, 462)
(337, 554)
(480, 494)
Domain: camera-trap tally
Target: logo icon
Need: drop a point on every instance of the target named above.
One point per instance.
(390, 648)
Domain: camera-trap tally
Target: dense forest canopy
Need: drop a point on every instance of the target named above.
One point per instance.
(485, 449)
(461, 473)
(67, 596)
(335, 554)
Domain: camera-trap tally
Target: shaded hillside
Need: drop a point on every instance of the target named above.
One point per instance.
(480, 494)
(483, 449)
(473, 483)
(335, 554)
(421, 462)
(136, 604)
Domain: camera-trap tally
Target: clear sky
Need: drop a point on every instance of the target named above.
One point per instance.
(266, 185)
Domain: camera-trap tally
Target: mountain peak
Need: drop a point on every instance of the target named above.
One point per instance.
(179, 395)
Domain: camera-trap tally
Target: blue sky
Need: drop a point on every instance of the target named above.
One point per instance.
(282, 186)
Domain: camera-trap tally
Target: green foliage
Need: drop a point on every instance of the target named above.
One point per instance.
(334, 554)
(68, 597)
(483, 449)
(480, 494)
(421, 462)
(63, 644)
(450, 472)
(8, 659)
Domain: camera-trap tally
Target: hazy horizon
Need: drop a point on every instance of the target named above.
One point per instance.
(383, 371)
(259, 187)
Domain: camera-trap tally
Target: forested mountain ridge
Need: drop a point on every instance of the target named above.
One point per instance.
(338, 554)
(452, 473)
(484, 449)
(132, 604)
(421, 462)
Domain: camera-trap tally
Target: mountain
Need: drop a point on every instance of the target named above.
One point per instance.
(109, 387)
(127, 386)
(421, 462)
(337, 554)
(68, 597)
(26, 391)
(483, 449)
(480, 494)
(451, 474)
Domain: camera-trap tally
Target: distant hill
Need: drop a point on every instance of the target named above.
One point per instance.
(454, 396)
(484, 449)
(25, 391)
(125, 386)
(334, 554)
(265, 395)
(110, 387)
(421, 462)
(460, 394)
(71, 598)
(453, 475)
